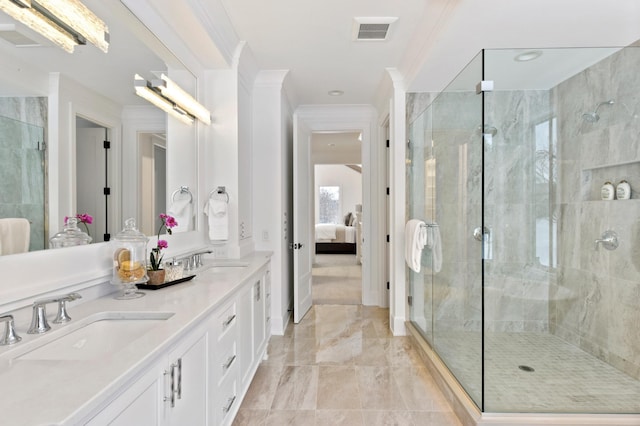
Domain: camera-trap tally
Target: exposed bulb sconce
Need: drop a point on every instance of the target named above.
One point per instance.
(67, 23)
(168, 96)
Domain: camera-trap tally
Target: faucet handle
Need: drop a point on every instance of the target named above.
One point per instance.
(63, 316)
(10, 336)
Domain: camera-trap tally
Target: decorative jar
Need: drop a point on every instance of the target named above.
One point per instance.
(129, 260)
(70, 236)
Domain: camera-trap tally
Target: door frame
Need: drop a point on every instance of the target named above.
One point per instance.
(363, 118)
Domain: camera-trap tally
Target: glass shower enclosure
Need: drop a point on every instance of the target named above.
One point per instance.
(529, 290)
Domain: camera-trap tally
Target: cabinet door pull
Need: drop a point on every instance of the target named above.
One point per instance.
(230, 402)
(179, 387)
(227, 364)
(257, 291)
(229, 320)
(173, 385)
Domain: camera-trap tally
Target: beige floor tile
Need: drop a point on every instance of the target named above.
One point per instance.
(297, 389)
(339, 418)
(434, 418)
(249, 417)
(263, 387)
(371, 352)
(290, 418)
(338, 388)
(390, 418)
(418, 389)
(378, 390)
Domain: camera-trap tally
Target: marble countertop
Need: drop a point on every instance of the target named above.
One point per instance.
(39, 392)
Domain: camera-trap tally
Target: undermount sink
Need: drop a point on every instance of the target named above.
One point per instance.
(224, 266)
(95, 336)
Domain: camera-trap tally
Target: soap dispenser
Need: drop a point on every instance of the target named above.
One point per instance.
(129, 260)
(607, 192)
(623, 190)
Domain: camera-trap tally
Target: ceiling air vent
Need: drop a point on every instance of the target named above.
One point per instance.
(372, 29)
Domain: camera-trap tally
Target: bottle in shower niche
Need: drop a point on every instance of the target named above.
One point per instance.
(623, 190)
(608, 191)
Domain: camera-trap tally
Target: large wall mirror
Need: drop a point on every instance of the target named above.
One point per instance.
(56, 111)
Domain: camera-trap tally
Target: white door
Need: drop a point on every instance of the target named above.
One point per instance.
(302, 191)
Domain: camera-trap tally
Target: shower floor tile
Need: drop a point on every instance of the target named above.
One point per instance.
(564, 379)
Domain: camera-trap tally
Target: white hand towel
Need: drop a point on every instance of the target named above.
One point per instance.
(216, 211)
(182, 212)
(415, 240)
(14, 235)
(434, 242)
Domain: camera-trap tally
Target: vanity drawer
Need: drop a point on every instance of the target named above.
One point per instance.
(226, 359)
(228, 400)
(226, 321)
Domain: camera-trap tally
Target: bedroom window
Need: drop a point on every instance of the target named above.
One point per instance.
(329, 204)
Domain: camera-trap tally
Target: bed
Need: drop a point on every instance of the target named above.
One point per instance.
(335, 239)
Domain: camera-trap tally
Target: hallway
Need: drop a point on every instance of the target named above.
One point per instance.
(337, 280)
(341, 366)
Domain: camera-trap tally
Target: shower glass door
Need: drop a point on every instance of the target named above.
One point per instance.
(445, 191)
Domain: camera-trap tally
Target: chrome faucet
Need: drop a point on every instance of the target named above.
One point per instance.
(194, 260)
(10, 337)
(39, 322)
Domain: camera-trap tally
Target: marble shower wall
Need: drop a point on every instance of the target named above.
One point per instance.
(515, 200)
(22, 175)
(596, 302)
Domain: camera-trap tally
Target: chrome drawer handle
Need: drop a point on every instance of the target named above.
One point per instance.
(226, 365)
(229, 320)
(230, 402)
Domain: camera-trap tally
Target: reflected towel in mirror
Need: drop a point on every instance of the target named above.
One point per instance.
(14, 235)
(182, 211)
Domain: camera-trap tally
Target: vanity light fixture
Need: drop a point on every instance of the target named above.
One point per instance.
(67, 23)
(178, 96)
(145, 91)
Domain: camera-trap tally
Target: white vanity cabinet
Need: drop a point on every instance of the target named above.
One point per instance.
(185, 382)
(202, 378)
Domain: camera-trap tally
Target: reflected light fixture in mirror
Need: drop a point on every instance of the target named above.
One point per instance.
(172, 91)
(144, 90)
(67, 23)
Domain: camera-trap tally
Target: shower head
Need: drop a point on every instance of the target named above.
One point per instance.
(592, 117)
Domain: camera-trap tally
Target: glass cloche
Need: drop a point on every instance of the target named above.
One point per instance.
(70, 235)
(129, 260)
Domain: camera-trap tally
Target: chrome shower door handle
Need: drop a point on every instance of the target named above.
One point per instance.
(478, 233)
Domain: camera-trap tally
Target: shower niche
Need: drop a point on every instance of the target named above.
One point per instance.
(545, 298)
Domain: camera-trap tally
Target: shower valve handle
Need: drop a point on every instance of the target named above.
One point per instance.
(609, 240)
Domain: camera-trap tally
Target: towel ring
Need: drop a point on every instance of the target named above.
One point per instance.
(182, 190)
(221, 190)
(428, 225)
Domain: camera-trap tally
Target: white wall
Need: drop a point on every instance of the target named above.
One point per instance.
(271, 187)
(349, 181)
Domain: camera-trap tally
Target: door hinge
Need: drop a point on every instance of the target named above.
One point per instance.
(387, 143)
(388, 190)
(106, 145)
(387, 285)
(295, 246)
(106, 191)
(107, 237)
(484, 86)
(410, 300)
(388, 238)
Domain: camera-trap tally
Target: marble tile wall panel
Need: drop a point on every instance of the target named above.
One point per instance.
(595, 304)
